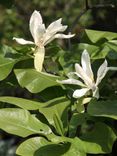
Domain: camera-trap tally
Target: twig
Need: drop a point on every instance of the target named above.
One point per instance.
(87, 7)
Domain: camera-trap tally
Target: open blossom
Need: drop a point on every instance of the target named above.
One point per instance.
(42, 36)
(86, 76)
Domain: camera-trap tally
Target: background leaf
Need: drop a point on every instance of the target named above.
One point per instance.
(103, 108)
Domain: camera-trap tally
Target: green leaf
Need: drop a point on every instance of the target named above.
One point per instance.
(58, 107)
(20, 122)
(103, 108)
(95, 35)
(39, 146)
(96, 141)
(8, 58)
(20, 102)
(35, 81)
(64, 149)
(77, 119)
(30, 146)
(58, 125)
(99, 140)
(6, 65)
(95, 51)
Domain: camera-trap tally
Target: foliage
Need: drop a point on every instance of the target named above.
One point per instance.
(53, 122)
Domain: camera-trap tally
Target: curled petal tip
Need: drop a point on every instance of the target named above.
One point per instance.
(85, 52)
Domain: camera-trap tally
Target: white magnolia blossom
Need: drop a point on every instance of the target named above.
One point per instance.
(85, 73)
(42, 36)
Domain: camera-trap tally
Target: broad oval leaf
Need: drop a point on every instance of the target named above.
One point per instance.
(39, 146)
(22, 103)
(64, 149)
(99, 140)
(20, 122)
(35, 81)
(8, 58)
(95, 35)
(30, 146)
(57, 110)
(6, 65)
(103, 108)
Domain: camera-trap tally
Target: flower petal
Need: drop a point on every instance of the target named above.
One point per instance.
(101, 72)
(72, 81)
(37, 28)
(111, 68)
(80, 92)
(54, 25)
(39, 58)
(53, 28)
(64, 36)
(96, 93)
(86, 64)
(81, 73)
(22, 41)
(48, 39)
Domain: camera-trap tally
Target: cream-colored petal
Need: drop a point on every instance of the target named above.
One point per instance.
(22, 41)
(80, 92)
(96, 93)
(53, 28)
(37, 28)
(48, 39)
(54, 25)
(101, 72)
(81, 73)
(64, 36)
(39, 58)
(71, 81)
(112, 68)
(86, 64)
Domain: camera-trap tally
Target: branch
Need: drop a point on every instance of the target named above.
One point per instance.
(87, 7)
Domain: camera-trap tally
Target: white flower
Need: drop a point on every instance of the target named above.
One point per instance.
(42, 36)
(85, 73)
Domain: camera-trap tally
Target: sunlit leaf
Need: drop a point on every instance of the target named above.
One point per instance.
(20, 102)
(35, 81)
(20, 122)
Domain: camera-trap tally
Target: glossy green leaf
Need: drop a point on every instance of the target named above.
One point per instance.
(95, 51)
(95, 35)
(20, 102)
(20, 122)
(39, 146)
(64, 149)
(58, 125)
(8, 58)
(56, 107)
(35, 81)
(30, 146)
(98, 140)
(103, 108)
(6, 65)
